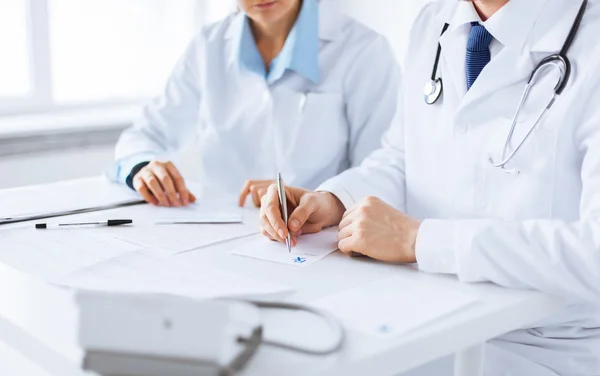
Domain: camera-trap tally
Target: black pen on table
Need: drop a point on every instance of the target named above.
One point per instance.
(110, 222)
(284, 213)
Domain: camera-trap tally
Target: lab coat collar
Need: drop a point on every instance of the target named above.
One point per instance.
(464, 14)
(553, 26)
(522, 15)
(511, 26)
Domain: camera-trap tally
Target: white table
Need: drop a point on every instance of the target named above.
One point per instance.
(39, 320)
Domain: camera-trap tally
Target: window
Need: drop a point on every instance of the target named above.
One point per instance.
(15, 80)
(58, 54)
(114, 50)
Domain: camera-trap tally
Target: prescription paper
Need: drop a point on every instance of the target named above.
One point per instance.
(310, 249)
(393, 306)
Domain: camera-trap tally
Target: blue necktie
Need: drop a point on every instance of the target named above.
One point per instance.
(478, 52)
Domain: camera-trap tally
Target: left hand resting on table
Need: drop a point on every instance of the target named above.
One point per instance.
(256, 188)
(377, 230)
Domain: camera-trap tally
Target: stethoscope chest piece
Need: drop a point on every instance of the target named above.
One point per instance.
(433, 91)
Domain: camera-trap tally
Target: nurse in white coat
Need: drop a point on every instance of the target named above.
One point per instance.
(430, 195)
(286, 86)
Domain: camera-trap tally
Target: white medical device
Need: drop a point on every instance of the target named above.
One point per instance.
(159, 335)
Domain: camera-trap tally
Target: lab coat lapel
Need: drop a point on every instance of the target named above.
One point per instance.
(511, 65)
(232, 38)
(550, 32)
(506, 69)
(454, 45)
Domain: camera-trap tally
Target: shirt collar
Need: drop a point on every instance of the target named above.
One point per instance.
(511, 25)
(300, 52)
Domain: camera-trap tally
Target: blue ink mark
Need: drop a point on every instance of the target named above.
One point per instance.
(299, 260)
(385, 329)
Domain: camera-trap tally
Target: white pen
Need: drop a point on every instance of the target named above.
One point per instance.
(110, 222)
(284, 213)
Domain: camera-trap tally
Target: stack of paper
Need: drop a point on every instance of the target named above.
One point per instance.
(310, 249)
(62, 198)
(88, 259)
(393, 306)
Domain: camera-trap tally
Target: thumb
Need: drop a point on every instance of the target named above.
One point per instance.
(307, 207)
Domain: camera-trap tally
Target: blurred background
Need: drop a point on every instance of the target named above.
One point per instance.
(74, 73)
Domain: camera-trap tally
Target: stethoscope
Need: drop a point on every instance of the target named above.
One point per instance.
(434, 88)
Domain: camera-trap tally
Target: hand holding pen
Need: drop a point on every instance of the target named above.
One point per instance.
(310, 213)
(283, 208)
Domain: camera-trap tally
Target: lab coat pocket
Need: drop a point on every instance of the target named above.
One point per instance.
(321, 133)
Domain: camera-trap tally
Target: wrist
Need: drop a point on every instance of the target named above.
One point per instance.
(413, 234)
(335, 207)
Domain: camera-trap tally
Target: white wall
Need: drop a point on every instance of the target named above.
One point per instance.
(52, 166)
(392, 18)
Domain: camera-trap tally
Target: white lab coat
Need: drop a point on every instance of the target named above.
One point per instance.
(248, 129)
(539, 229)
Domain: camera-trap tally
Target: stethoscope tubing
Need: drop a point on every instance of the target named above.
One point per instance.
(434, 88)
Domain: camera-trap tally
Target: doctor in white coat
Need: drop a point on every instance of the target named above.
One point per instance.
(432, 195)
(288, 86)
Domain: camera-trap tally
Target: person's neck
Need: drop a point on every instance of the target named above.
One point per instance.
(271, 38)
(487, 8)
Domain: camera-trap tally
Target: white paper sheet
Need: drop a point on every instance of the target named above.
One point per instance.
(48, 253)
(393, 306)
(310, 249)
(63, 196)
(201, 212)
(141, 272)
(173, 239)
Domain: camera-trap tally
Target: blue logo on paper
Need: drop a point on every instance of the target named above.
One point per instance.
(299, 260)
(385, 329)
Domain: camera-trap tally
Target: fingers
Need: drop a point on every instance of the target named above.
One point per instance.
(244, 193)
(256, 188)
(344, 233)
(311, 228)
(141, 187)
(271, 220)
(154, 186)
(255, 196)
(160, 183)
(348, 217)
(166, 182)
(347, 245)
(268, 230)
(303, 212)
(184, 193)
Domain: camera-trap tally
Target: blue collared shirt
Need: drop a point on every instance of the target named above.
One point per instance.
(300, 52)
